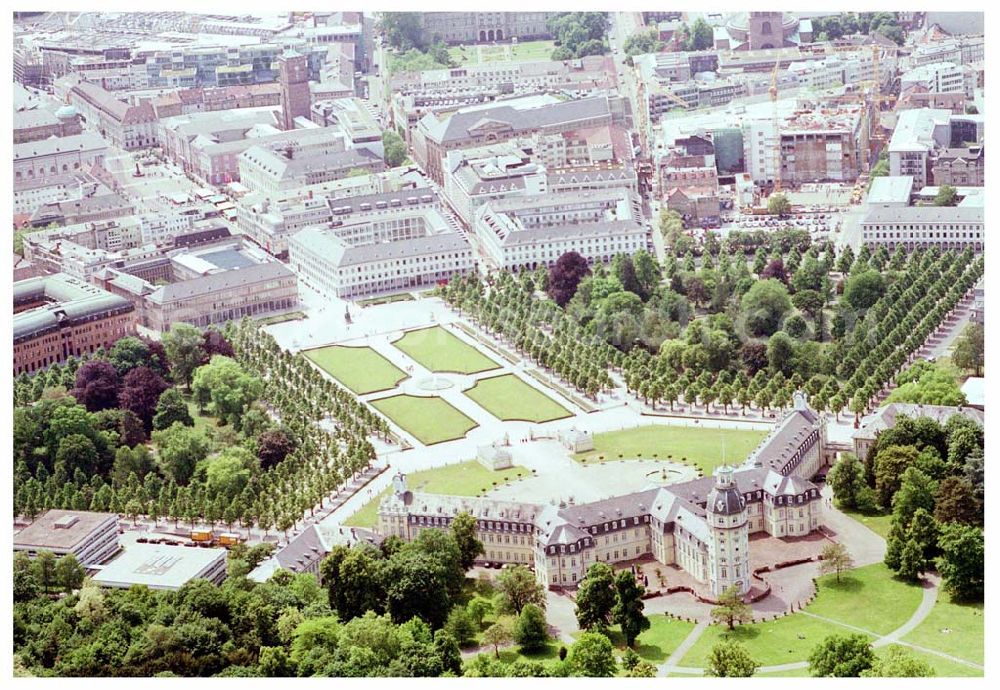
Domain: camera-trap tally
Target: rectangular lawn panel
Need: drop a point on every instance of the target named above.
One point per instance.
(954, 629)
(431, 420)
(467, 478)
(436, 349)
(699, 446)
(879, 524)
(663, 637)
(509, 398)
(361, 369)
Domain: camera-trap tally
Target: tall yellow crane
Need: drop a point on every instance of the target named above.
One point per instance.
(774, 122)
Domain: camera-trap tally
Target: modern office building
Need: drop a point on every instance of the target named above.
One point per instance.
(90, 537)
(163, 567)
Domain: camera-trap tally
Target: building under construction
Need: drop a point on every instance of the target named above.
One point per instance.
(823, 145)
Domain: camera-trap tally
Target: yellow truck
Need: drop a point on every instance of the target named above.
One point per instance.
(202, 536)
(229, 539)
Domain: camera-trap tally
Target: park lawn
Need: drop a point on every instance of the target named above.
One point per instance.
(438, 350)
(944, 668)
(792, 673)
(782, 641)
(202, 422)
(467, 478)
(361, 369)
(367, 517)
(509, 398)
(879, 524)
(663, 637)
(870, 598)
(533, 50)
(965, 624)
(430, 420)
(695, 445)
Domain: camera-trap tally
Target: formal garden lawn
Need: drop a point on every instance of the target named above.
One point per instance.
(438, 350)
(791, 673)
(695, 445)
(955, 629)
(509, 398)
(879, 524)
(868, 598)
(522, 52)
(656, 644)
(431, 420)
(467, 478)
(361, 369)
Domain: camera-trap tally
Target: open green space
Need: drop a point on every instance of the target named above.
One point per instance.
(386, 299)
(791, 673)
(202, 422)
(782, 641)
(869, 598)
(439, 350)
(944, 668)
(431, 420)
(954, 629)
(361, 369)
(522, 52)
(879, 524)
(281, 318)
(699, 446)
(467, 478)
(509, 398)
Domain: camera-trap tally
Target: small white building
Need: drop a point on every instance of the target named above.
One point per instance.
(494, 457)
(577, 440)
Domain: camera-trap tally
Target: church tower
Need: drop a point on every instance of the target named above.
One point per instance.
(293, 82)
(729, 550)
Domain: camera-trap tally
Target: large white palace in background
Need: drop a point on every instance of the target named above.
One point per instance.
(702, 526)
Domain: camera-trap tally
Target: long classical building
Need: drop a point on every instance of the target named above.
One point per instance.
(701, 526)
(58, 316)
(380, 243)
(478, 126)
(922, 227)
(472, 27)
(532, 231)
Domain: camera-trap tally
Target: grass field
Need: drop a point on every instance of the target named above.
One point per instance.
(386, 299)
(430, 420)
(467, 478)
(868, 598)
(954, 629)
(202, 422)
(509, 398)
(944, 668)
(879, 524)
(701, 447)
(522, 52)
(359, 368)
(438, 350)
(281, 318)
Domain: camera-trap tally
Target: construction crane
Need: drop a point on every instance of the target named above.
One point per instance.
(774, 122)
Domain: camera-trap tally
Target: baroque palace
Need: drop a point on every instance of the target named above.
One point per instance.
(702, 526)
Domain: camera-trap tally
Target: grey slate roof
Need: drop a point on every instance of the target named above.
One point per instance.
(72, 301)
(456, 128)
(240, 277)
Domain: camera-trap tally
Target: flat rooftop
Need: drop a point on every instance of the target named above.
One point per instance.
(158, 566)
(60, 529)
